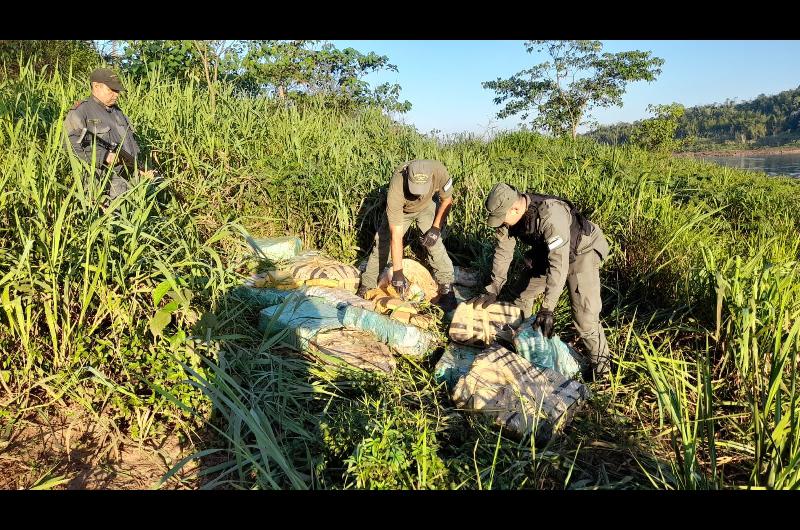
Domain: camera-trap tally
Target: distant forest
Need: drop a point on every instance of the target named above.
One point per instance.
(764, 121)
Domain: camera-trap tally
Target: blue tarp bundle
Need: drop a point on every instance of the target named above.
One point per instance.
(454, 364)
(309, 315)
(552, 353)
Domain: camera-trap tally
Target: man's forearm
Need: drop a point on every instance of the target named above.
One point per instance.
(396, 247)
(558, 268)
(501, 261)
(441, 214)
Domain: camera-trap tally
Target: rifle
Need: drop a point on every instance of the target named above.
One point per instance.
(123, 156)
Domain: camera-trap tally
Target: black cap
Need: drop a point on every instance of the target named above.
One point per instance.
(108, 78)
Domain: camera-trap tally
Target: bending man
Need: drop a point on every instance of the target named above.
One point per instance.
(565, 248)
(409, 199)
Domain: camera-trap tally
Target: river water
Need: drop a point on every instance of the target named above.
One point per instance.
(777, 164)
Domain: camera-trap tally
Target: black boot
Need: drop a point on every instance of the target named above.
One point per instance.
(446, 298)
(362, 291)
(597, 370)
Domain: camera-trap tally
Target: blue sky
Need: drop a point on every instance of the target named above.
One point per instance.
(442, 79)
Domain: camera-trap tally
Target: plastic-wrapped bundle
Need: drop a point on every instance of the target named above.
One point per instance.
(403, 338)
(395, 308)
(454, 364)
(304, 317)
(420, 321)
(354, 347)
(315, 326)
(522, 398)
(261, 296)
(266, 296)
(387, 301)
(338, 297)
(479, 327)
(310, 268)
(276, 248)
(550, 353)
(423, 286)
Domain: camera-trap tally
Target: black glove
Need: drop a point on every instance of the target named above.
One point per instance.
(430, 237)
(483, 300)
(400, 283)
(529, 258)
(544, 319)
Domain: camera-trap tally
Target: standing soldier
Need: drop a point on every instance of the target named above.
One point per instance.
(98, 121)
(566, 248)
(410, 197)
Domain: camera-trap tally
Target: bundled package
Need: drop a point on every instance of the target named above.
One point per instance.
(521, 398)
(310, 268)
(480, 327)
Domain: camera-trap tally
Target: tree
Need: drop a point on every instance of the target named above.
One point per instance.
(277, 65)
(212, 54)
(291, 70)
(209, 60)
(177, 59)
(81, 55)
(387, 97)
(658, 134)
(295, 69)
(577, 79)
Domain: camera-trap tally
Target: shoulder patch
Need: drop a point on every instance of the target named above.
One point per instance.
(448, 185)
(554, 242)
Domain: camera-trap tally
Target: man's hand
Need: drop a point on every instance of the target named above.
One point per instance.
(483, 301)
(111, 157)
(430, 237)
(400, 284)
(544, 319)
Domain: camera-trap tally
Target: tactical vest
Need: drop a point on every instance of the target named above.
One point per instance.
(579, 227)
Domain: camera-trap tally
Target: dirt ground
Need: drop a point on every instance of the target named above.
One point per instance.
(68, 449)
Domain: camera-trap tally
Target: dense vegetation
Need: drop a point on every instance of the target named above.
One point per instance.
(129, 317)
(764, 121)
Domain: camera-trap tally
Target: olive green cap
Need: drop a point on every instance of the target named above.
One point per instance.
(499, 201)
(420, 177)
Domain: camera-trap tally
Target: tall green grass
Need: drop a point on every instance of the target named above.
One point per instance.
(128, 314)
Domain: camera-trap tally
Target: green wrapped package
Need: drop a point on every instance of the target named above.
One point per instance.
(405, 339)
(261, 297)
(454, 364)
(552, 353)
(303, 317)
(315, 326)
(276, 248)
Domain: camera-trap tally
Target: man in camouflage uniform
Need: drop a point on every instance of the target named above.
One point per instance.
(99, 114)
(410, 198)
(566, 248)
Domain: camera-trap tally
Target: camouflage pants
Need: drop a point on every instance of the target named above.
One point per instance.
(438, 259)
(583, 281)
